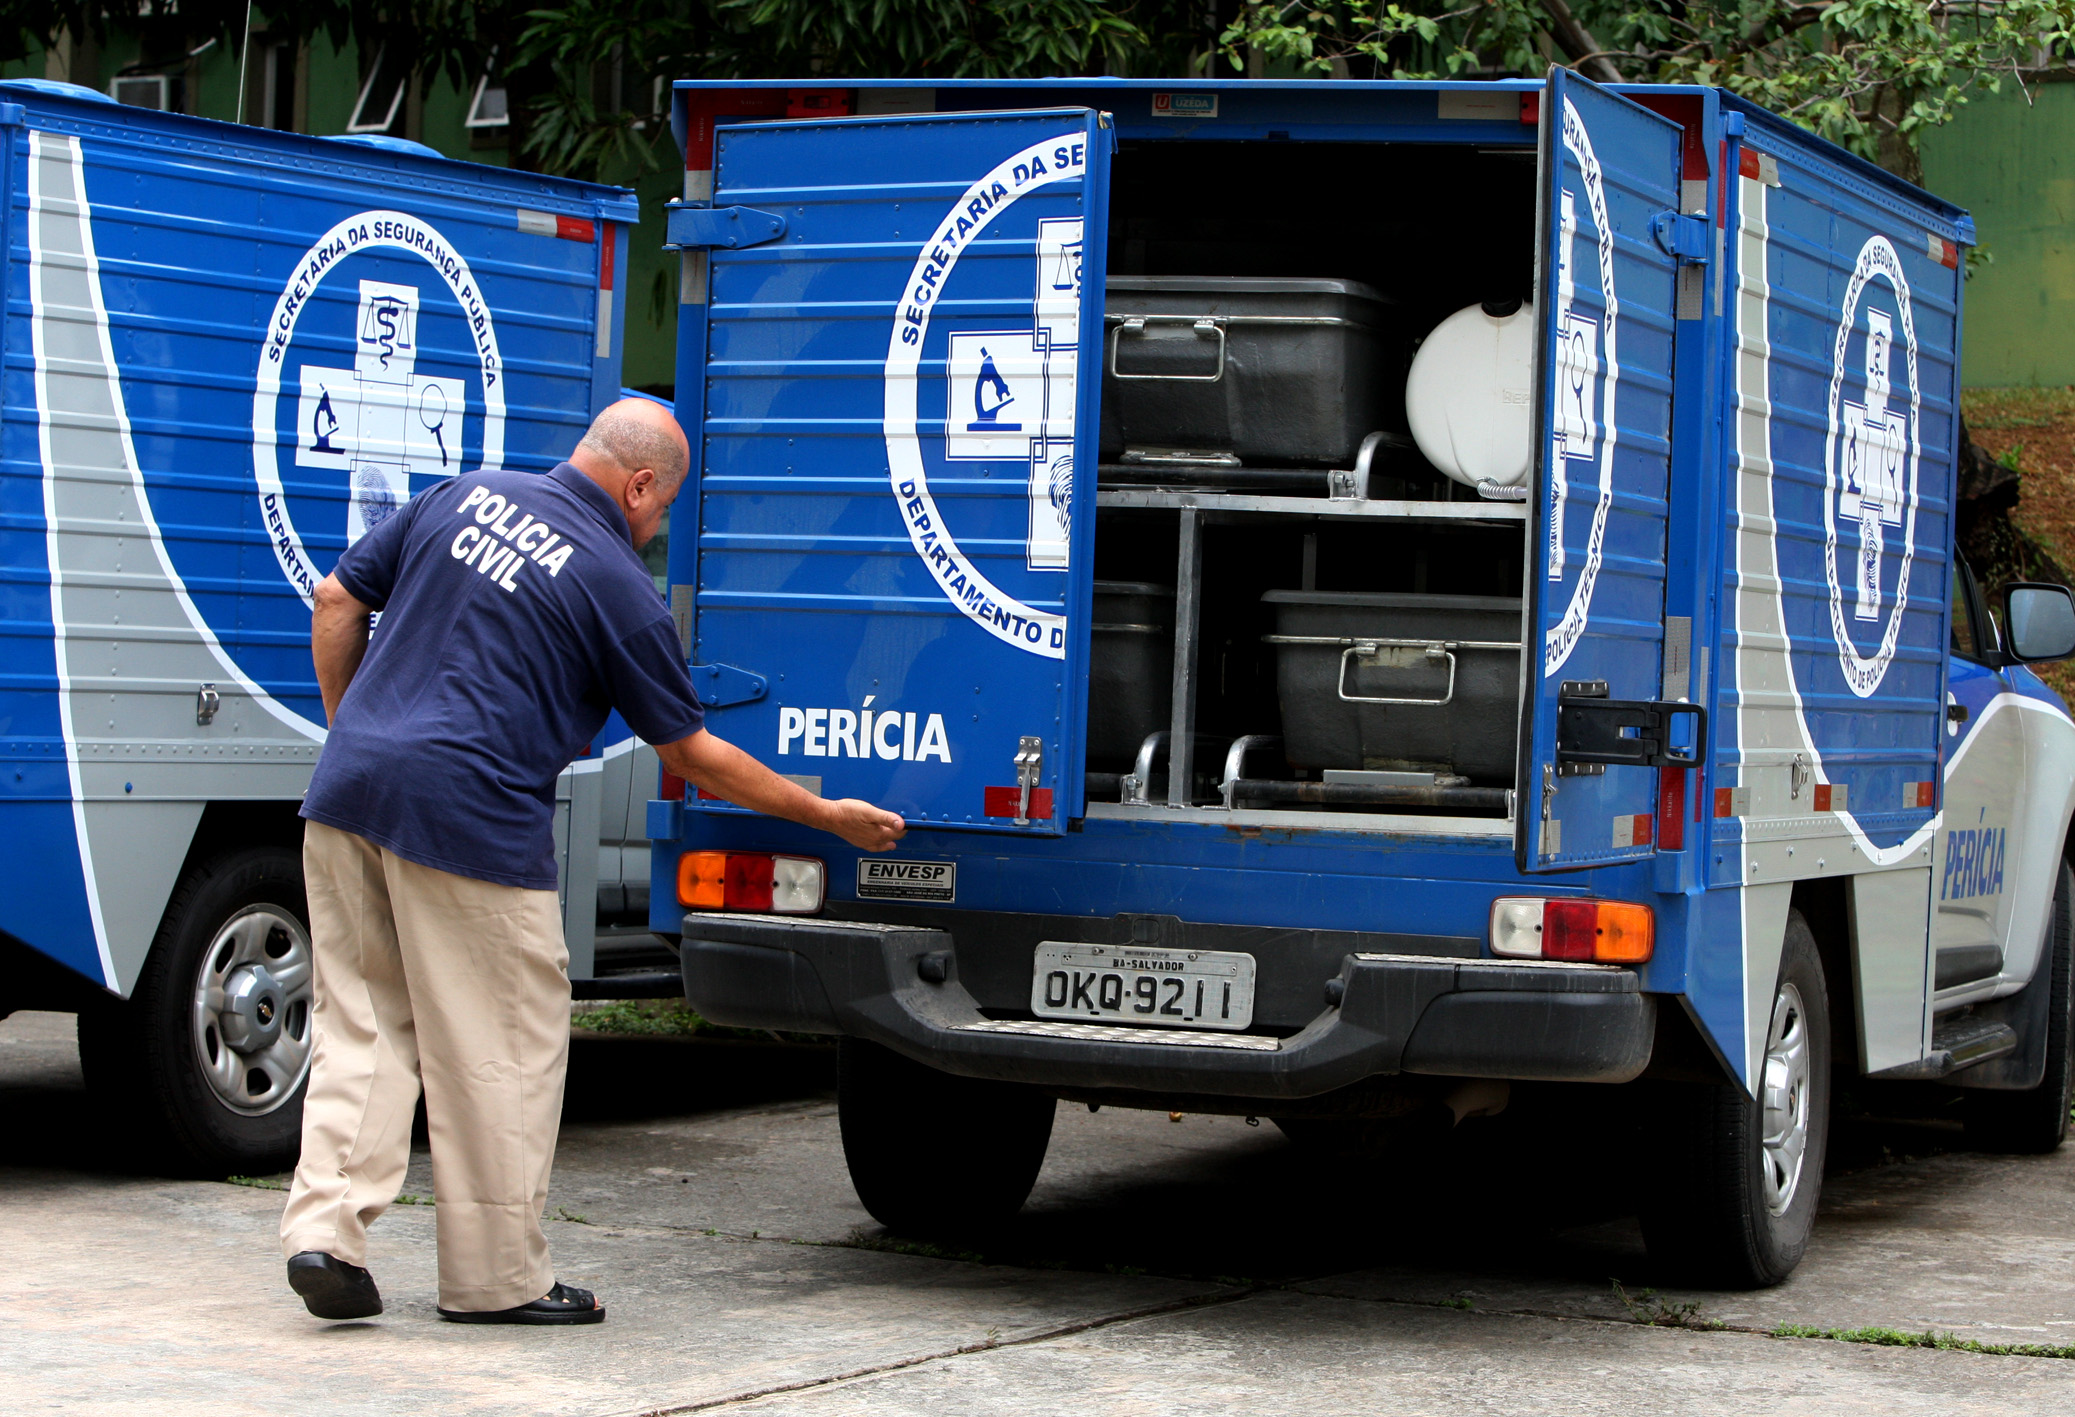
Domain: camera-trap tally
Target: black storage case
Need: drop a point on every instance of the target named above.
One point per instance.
(1131, 669)
(1308, 368)
(1473, 734)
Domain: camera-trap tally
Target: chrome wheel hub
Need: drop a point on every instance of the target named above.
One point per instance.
(1783, 1099)
(252, 1010)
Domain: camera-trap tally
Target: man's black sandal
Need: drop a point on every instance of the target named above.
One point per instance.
(564, 1304)
(333, 1289)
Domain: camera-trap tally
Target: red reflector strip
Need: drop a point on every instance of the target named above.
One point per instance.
(1632, 830)
(1671, 809)
(568, 228)
(1732, 801)
(1530, 109)
(1831, 796)
(1942, 251)
(1918, 795)
(669, 786)
(705, 796)
(1001, 802)
(605, 260)
(1747, 163)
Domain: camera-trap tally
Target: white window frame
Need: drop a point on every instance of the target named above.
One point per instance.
(157, 81)
(476, 102)
(358, 122)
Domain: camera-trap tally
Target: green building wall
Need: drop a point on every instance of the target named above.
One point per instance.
(2011, 162)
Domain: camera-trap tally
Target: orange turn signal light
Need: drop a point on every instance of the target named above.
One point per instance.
(702, 879)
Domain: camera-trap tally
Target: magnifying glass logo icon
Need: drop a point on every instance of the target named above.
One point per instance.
(432, 412)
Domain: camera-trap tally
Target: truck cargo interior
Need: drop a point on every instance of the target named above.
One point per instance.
(1341, 615)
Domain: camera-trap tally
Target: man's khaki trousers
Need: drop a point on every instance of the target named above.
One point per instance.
(420, 973)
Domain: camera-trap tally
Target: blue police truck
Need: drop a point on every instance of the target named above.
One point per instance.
(1363, 592)
(228, 353)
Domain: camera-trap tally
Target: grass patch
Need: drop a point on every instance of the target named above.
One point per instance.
(257, 1183)
(1999, 410)
(563, 1212)
(407, 1198)
(1943, 1342)
(668, 1018)
(887, 1245)
(1647, 1308)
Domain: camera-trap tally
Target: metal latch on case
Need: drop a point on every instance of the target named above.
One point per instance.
(1592, 728)
(1030, 766)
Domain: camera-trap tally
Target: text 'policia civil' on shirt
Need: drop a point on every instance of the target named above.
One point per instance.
(515, 615)
(500, 548)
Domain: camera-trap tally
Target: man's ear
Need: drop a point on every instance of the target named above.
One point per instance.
(642, 483)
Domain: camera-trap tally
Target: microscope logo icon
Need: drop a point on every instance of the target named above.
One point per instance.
(1011, 392)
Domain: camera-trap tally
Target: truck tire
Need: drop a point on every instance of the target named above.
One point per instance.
(2035, 1121)
(933, 1155)
(1733, 1202)
(210, 1057)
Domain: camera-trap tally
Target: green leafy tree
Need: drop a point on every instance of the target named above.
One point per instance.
(1869, 74)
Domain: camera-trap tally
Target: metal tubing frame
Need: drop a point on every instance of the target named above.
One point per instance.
(1188, 614)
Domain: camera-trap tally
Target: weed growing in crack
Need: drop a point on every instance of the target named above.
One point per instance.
(1945, 1342)
(1647, 1308)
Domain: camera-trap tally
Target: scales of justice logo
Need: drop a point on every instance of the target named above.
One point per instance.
(1870, 467)
(383, 420)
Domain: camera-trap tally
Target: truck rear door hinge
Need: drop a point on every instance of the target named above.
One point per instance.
(1592, 728)
(699, 228)
(1689, 238)
(720, 685)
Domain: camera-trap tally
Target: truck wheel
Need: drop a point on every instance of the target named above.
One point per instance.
(934, 1155)
(2035, 1121)
(211, 1055)
(1733, 1205)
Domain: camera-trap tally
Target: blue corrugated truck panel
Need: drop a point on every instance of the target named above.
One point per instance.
(228, 353)
(1741, 501)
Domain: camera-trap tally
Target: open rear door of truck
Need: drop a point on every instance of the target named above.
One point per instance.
(1594, 729)
(894, 562)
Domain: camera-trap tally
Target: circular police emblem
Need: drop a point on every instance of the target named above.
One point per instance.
(1587, 372)
(1008, 393)
(385, 372)
(1870, 467)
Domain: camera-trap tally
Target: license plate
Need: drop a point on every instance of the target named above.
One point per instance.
(1135, 984)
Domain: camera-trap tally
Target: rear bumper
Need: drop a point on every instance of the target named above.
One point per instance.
(1398, 1013)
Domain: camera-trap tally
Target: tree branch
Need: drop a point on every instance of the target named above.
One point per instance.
(1573, 38)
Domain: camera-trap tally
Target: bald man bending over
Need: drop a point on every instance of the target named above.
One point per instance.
(515, 614)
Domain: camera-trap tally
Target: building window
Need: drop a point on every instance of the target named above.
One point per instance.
(487, 109)
(381, 97)
(276, 107)
(141, 91)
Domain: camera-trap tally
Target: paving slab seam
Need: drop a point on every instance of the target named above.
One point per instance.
(1871, 1335)
(1057, 1331)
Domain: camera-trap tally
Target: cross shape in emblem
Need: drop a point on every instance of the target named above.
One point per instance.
(1871, 458)
(380, 421)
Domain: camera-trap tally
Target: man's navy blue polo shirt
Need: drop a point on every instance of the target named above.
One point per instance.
(515, 615)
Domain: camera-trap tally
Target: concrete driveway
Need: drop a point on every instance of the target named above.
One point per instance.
(1201, 1266)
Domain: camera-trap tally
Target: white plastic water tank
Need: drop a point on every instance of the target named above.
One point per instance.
(1470, 395)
